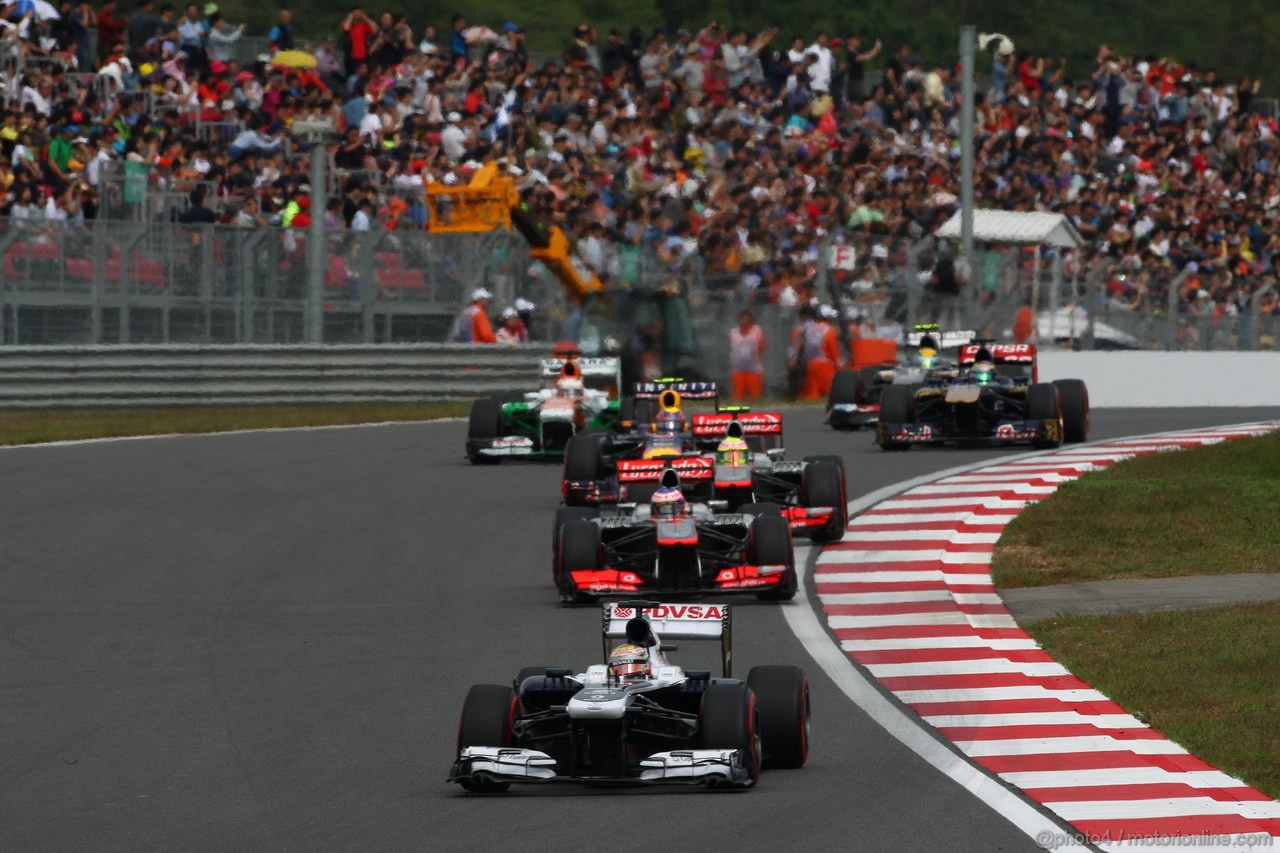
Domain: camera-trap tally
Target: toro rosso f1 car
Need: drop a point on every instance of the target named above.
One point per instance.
(994, 397)
(637, 719)
(687, 547)
(577, 394)
(854, 401)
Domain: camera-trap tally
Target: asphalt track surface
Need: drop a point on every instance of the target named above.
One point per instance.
(262, 642)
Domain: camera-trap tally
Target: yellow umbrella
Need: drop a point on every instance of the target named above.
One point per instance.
(294, 59)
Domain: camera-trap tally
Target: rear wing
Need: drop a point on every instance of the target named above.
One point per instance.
(1018, 354)
(753, 423)
(635, 621)
(687, 390)
(690, 469)
(943, 339)
(604, 367)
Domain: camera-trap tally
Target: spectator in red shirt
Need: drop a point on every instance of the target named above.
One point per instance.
(110, 30)
(357, 28)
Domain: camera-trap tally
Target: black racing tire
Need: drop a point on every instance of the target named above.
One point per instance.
(822, 484)
(844, 388)
(1073, 396)
(760, 508)
(1043, 405)
(867, 381)
(834, 458)
(584, 457)
(532, 672)
(770, 544)
(565, 514)
(897, 406)
(728, 720)
(635, 411)
(782, 702)
(487, 717)
(484, 423)
(579, 551)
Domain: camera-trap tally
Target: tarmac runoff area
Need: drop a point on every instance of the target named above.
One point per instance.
(1102, 598)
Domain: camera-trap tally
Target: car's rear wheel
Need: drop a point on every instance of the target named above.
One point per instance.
(822, 484)
(1073, 396)
(771, 545)
(579, 552)
(487, 718)
(484, 423)
(564, 515)
(728, 720)
(583, 459)
(782, 701)
(844, 390)
(897, 406)
(1043, 405)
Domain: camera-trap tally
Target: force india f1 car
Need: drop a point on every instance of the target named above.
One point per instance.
(854, 401)
(994, 396)
(577, 394)
(811, 494)
(695, 548)
(658, 725)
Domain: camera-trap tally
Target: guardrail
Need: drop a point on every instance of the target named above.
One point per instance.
(176, 375)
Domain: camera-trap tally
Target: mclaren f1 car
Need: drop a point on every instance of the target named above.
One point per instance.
(637, 718)
(678, 546)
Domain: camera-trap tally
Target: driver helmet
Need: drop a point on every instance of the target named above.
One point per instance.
(732, 451)
(629, 662)
(667, 502)
(928, 357)
(569, 386)
(669, 423)
(983, 373)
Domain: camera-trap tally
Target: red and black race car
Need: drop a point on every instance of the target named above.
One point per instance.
(689, 549)
(810, 493)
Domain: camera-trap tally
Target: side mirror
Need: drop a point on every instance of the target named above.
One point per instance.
(776, 454)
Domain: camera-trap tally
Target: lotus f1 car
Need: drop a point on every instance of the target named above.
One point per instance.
(995, 397)
(661, 725)
(854, 401)
(577, 394)
(701, 548)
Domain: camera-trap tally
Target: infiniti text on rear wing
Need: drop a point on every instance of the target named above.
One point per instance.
(686, 390)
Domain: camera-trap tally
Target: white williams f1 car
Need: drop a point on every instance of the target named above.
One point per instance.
(637, 718)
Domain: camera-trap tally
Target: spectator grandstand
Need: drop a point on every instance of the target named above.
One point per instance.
(741, 149)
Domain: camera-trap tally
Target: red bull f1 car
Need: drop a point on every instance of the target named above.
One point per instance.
(648, 722)
(994, 397)
(694, 548)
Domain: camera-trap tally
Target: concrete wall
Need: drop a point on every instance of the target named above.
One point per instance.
(1152, 379)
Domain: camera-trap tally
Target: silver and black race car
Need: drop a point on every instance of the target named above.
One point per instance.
(660, 725)
(627, 549)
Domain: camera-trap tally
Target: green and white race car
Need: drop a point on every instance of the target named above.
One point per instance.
(577, 394)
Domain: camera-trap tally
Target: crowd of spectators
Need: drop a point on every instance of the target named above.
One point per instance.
(740, 148)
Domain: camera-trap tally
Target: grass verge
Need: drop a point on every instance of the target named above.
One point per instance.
(34, 427)
(1206, 511)
(1207, 679)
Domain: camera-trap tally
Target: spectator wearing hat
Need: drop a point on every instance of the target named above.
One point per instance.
(453, 139)
(473, 325)
(512, 331)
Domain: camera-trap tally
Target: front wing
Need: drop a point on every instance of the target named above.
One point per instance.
(710, 767)
(1007, 431)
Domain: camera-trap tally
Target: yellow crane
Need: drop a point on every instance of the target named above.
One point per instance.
(491, 201)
